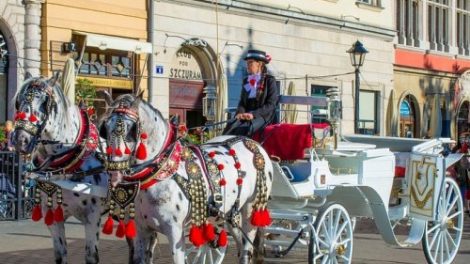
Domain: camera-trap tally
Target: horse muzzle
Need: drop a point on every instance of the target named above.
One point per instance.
(23, 142)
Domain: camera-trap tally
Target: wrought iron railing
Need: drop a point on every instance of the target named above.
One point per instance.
(16, 198)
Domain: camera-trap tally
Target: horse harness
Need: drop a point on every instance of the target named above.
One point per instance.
(204, 202)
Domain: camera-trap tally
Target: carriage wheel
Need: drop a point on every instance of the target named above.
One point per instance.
(334, 235)
(441, 239)
(205, 254)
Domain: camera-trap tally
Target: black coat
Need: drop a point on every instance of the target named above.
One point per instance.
(266, 101)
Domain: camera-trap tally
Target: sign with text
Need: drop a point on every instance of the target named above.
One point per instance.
(185, 66)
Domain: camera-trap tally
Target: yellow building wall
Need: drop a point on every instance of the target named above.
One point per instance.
(118, 18)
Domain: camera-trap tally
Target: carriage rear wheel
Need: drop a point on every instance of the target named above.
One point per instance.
(334, 235)
(441, 239)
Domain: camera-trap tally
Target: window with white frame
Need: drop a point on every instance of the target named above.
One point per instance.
(463, 27)
(438, 24)
(370, 2)
(408, 23)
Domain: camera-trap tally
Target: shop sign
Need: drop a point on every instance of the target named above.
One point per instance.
(185, 66)
(106, 82)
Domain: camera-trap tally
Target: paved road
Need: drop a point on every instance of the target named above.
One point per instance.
(28, 242)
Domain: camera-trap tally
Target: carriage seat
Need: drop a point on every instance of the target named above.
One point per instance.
(289, 141)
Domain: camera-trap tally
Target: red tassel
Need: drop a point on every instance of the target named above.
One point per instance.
(143, 136)
(118, 152)
(239, 181)
(109, 150)
(20, 115)
(37, 213)
(212, 154)
(237, 165)
(33, 118)
(141, 153)
(49, 219)
(231, 152)
(266, 217)
(222, 182)
(223, 241)
(121, 229)
(59, 214)
(130, 229)
(220, 167)
(256, 218)
(196, 236)
(127, 151)
(209, 232)
(108, 226)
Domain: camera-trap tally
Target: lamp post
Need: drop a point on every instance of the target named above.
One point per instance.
(357, 54)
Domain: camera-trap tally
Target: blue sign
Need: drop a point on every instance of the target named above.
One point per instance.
(159, 69)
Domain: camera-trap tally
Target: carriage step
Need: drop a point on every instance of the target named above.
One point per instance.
(285, 231)
(285, 243)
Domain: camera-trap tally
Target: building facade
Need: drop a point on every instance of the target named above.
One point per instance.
(200, 45)
(432, 67)
(108, 42)
(12, 52)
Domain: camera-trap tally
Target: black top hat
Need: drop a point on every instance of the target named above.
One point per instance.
(257, 55)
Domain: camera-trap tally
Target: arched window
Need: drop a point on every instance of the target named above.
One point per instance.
(408, 127)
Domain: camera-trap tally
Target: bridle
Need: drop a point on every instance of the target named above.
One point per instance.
(31, 124)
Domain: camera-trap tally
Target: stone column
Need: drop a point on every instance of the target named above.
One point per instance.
(32, 36)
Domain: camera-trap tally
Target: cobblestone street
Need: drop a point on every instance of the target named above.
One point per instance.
(27, 242)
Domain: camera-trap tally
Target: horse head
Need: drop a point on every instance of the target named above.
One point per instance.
(35, 103)
(135, 133)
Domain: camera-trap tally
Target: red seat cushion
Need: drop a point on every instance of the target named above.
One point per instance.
(286, 141)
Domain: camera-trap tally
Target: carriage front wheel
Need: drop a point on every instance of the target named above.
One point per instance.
(441, 239)
(334, 235)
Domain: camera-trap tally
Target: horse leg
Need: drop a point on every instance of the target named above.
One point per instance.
(141, 246)
(92, 235)
(249, 233)
(60, 244)
(176, 243)
(152, 243)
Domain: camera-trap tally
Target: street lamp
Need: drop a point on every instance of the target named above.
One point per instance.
(357, 53)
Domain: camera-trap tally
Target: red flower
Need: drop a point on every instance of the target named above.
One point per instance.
(237, 165)
(91, 111)
(182, 128)
(220, 167)
(239, 181)
(222, 182)
(252, 82)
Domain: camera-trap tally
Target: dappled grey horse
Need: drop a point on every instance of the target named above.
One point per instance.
(182, 185)
(61, 140)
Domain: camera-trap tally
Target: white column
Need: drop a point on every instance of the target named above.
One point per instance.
(401, 23)
(409, 29)
(424, 24)
(32, 36)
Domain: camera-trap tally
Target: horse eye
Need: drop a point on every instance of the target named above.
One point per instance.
(132, 133)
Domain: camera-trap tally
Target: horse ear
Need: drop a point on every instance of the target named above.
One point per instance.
(107, 97)
(55, 78)
(28, 75)
(140, 94)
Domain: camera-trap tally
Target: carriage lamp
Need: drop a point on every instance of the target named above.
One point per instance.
(209, 103)
(357, 54)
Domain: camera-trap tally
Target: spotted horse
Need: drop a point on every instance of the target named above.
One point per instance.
(182, 188)
(60, 141)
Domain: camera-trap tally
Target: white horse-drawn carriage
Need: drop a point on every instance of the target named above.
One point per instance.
(313, 197)
(316, 200)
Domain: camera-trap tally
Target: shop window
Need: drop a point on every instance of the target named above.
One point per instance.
(463, 27)
(439, 24)
(369, 112)
(407, 22)
(320, 91)
(107, 64)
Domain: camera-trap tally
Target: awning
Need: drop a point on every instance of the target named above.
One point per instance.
(107, 42)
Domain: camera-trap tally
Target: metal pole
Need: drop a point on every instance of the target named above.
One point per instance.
(356, 102)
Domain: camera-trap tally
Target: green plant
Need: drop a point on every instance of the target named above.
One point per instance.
(85, 91)
(2, 133)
